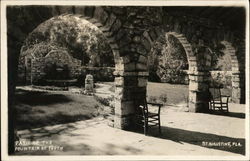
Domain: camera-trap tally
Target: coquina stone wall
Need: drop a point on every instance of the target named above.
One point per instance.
(38, 70)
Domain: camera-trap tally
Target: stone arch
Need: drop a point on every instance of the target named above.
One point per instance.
(152, 36)
(188, 49)
(105, 26)
(238, 84)
(232, 52)
(109, 24)
(198, 79)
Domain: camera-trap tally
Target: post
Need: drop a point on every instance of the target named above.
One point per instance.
(130, 87)
(199, 81)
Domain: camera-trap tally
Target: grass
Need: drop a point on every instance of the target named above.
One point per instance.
(163, 92)
(36, 109)
(175, 93)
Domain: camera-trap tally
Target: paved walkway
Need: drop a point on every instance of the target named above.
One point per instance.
(187, 134)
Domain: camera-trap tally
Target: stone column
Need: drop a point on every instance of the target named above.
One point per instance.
(130, 87)
(198, 91)
(123, 101)
(199, 82)
(238, 87)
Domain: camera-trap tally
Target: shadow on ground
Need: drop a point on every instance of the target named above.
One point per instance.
(35, 109)
(55, 119)
(74, 146)
(198, 138)
(35, 98)
(229, 114)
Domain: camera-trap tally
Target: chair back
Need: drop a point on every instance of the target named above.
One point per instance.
(142, 108)
(215, 93)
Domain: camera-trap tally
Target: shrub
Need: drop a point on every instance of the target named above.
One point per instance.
(152, 99)
(163, 98)
(105, 101)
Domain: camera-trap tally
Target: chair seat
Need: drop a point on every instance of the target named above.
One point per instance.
(219, 102)
(150, 114)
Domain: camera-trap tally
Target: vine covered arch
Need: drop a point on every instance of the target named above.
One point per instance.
(197, 78)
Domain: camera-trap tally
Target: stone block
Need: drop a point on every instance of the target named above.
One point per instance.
(101, 15)
(66, 9)
(119, 81)
(193, 96)
(146, 44)
(89, 11)
(119, 34)
(122, 122)
(192, 107)
(119, 93)
(141, 50)
(235, 84)
(142, 59)
(236, 78)
(123, 107)
(130, 81)
(142, 82)
(129, 67)
(110, 21)
(116, 26)
(236, 93)
(141, 67)
(196, 78)
(193, 86)
(119, 67)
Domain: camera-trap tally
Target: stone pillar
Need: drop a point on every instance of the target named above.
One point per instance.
(130, 88)
(199, 75)
(198, 91)
(238, 87)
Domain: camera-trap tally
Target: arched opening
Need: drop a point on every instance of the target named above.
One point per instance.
(65, 47)
(168, 68)
(197, 77)
(227, 72)
(61, 49)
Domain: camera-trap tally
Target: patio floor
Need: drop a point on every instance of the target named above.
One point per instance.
(183, 133)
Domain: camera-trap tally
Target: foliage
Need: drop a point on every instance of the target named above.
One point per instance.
(221, 79)
(80, 38)
(220, 60)
(167, 61)
(105, 101)
(158, 99)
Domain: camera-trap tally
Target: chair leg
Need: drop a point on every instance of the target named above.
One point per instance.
(159, 123)
(145, 126)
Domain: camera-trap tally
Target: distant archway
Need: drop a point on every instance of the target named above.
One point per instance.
(197, 79)
(237, 72)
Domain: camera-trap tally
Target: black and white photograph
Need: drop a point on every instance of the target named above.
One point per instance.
(124, 80)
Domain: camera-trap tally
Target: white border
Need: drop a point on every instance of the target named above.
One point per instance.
(4, 77)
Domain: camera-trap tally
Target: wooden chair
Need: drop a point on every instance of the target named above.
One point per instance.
(146, 118)
(217, 100)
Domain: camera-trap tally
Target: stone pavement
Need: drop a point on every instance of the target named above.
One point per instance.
(184, 134)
